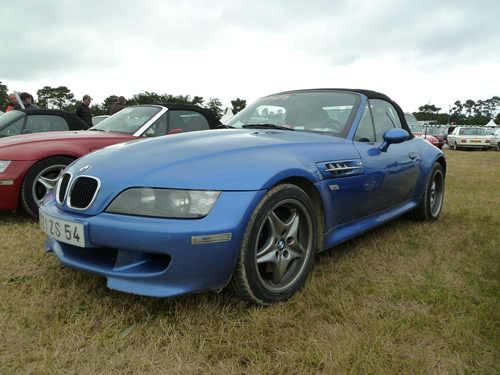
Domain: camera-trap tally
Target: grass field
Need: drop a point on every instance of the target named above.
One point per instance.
(406, 298)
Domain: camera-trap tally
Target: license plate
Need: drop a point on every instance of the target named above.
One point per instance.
(475, 141)
(62, 230)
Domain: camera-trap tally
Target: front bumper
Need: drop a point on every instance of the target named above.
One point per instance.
(157, 257)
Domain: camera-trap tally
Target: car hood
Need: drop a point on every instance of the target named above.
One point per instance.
(72, 143)
(215, 160)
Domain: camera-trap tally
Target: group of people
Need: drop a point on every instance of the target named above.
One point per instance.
(83, 110)
(26, 99)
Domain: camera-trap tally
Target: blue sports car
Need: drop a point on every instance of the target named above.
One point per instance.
(245, 207)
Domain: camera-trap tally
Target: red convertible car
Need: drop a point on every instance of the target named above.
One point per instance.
(30, 164)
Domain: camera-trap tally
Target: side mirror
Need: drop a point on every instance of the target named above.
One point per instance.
(393, 136)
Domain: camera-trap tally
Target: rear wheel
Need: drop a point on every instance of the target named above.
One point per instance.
(278, 247)
(455, 146)
(432, 199)
(40, 180)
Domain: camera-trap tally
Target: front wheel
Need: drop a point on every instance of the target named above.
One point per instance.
(432, 199)
(40, 180)
(278, 247)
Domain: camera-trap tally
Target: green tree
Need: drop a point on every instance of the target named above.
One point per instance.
(147, 98)
(238, 105)
(429, 108)
(99, 109)
(469, 107)
(4, 97)
(198, 100)
(108, 102)
(60, 98)
(215, 105)
(183, 99)
(427, 112)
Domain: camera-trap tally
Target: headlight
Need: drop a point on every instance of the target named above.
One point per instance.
(4, 164)
(181, 204)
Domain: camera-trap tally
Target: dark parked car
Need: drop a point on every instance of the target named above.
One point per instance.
(247, 207)
(27, 121)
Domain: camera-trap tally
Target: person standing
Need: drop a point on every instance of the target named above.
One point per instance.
(118, 106)
(13, 102)
(83, 110)
(26, 99)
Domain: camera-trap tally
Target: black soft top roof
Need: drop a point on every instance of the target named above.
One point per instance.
(209, 115)
(73, 120)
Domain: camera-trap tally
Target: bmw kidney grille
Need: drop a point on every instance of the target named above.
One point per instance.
(80, 193)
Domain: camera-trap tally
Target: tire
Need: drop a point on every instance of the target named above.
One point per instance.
(431, 204)
(498, 146)
(40, 180)
(278, 248)
(455, 146)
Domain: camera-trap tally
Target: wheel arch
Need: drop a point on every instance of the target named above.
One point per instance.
(72, 157)
(317, 202)
(442, 161)
(23, 200)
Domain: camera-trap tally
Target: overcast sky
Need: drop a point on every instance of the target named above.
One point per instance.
(417, 52)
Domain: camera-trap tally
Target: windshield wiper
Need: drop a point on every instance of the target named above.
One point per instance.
(267, 126)
(224, 126)
(97, 130)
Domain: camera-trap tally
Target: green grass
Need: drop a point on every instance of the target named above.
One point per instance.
(406, 298)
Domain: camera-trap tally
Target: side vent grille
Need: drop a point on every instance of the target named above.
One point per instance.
(341, 168)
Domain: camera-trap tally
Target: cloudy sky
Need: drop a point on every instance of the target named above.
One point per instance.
(417, 52)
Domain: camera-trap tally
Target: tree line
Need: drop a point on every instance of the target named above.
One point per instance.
(62, 98)
(469, 113)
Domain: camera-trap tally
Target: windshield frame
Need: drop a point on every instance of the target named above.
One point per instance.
(121, 121)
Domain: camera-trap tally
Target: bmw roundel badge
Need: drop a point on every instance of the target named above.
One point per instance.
(85, 169)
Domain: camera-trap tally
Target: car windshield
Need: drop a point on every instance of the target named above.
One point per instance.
(11, 123)
(325, 111)
(128, 120)
(433, 131)
(9, 117)
(471, 131)
(413, 123)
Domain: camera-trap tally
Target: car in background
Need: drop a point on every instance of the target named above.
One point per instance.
(98, 119)
(437, 133)
(418, 131)
(470, 137)
(30, 164)
(27, 121)
(495, 140)
(247, 207)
